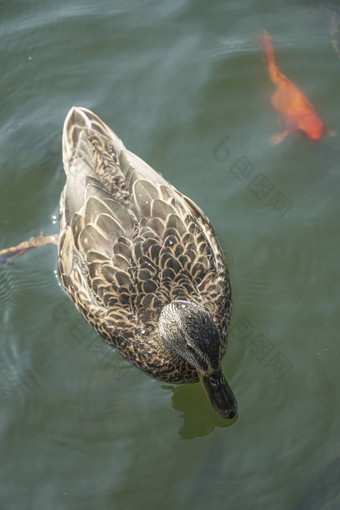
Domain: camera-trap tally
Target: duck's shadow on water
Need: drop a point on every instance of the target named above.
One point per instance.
(199, 418)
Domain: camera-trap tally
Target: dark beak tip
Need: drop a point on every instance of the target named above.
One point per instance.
(227, 414)
(232, 414)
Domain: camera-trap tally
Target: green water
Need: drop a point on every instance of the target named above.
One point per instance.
(184, 85)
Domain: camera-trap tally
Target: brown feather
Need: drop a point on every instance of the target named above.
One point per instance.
(130, 243)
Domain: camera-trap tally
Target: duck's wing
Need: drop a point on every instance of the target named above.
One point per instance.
(108, 189)
(129, 240)
(215, 287)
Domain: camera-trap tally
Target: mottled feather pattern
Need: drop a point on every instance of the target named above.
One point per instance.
(131, 243)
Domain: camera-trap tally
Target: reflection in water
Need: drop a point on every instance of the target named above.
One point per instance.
(199, 417)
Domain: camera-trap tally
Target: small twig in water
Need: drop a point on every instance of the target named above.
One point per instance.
(20, 249)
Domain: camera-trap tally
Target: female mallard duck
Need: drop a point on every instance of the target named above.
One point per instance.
(141, 262)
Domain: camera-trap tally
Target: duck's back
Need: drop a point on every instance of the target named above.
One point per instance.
(131, 243)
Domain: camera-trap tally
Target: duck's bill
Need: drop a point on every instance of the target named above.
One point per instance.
(220, 394)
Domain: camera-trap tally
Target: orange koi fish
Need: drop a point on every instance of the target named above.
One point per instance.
(296, 112)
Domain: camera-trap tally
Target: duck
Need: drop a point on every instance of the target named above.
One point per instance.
(142, 263)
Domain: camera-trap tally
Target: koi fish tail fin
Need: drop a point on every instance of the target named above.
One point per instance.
(266, 42)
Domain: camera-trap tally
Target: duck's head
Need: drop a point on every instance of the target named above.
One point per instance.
(188, 330)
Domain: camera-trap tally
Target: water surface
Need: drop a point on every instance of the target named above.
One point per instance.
(184, 85)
